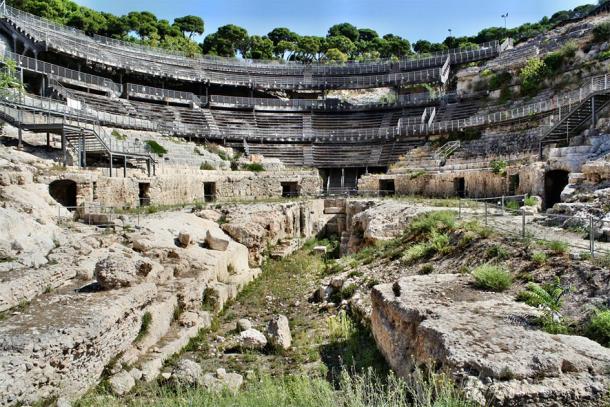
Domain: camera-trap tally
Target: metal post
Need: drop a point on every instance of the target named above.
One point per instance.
(110, 164)
(64, 148)
(591, 236)
(459, 208)
(523, 223)
(502, 205)
(125, 166)
(485, 213)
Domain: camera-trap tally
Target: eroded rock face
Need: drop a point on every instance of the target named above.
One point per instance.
(278, 332)
(117, 271)
(486, 342)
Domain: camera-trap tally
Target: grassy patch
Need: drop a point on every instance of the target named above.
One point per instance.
(156, 148)
(556, 246)
(497, 252)
(144, 327)
(530, 201)
(206, 166)
(546, 295)
(492, 278)
(254, 167)
(598, 328)
(118, 136)
(540, 258)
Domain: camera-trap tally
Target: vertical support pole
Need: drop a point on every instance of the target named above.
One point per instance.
(48, 141)
(503, 205)
(342, 179)
(593, 114)
(111, 164)
(459, 208)
(148, 171)
(125, 166)
(592, 236)
(485, 213)
(64, 148)
(523, 223)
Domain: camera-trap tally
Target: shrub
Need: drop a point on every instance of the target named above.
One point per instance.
(546, 295)
(118, 136)
(493, 278)
(498, 252)
(512, 206)
(602, 56)
(557, 246)
(553, 324)
(539, 257)
(532, 76)
(440, 242)
(254, 167)
(500, 80)
(601, 33)
(426, 223)
(530, 201)
(156, 148)
(498, 167)
(206, 166)
(416, 252)
(599, 327)
(426, 269)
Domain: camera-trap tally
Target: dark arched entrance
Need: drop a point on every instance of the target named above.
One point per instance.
(64, 192)
(554, 183)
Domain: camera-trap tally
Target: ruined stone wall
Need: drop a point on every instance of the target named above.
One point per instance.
(180, 189)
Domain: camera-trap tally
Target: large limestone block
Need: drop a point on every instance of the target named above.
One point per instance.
(252, 339)
(278, 332)
(484, 340)
(216, 240)
(117, 270)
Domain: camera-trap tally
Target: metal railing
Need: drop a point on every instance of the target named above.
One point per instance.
(156, 61)
(579, 234)
(161, 94)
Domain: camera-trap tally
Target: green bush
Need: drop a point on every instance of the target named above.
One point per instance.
(546, 295)
(493, 278)
(118, 136)
(498, 252)
(539, 257)
(498, 167)
(439, 221)
(557, 247)
(532, 76)
(426, 269)
(254, 167)
(500, 80)
(602, 56)
(440, 242)
(417, 252)
(206, 166)
(512, 206)
(156, 148)
(599, 327)
(530, 201)
(601, 33)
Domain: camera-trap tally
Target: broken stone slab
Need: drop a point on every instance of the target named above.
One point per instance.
(278, 332)
(209, 214)
(187, 372)
(216, 240)
(71, 338)
(117, 271)
(487, 341)
(222, 380)
(319, 250)
(184, 238)
(252, 339)
(243, 324)
(121, 383)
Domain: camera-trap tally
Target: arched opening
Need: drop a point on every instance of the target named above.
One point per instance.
(554, 183)
(64, 192)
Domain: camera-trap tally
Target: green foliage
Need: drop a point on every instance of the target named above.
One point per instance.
(530, 201)
(118, 136)
(440, 242)
(553, 324)
(555, 60)
(556, 246)
(417, 252)
(601, 33)
(598, 328)
(492, 278)
(602, 56)
(532, 76)
(426, 269)
(156, 148)
(512, 206)
(8, 77)
(500, 80)
(497, 252)
(539, 257)
(433, 221)
(549, 296)
(498, 167)
(144, 327)
(254, 167)
(206, 166)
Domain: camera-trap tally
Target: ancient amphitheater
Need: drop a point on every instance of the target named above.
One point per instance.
(206, 231)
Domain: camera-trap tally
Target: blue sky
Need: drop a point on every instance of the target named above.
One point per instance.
(412, 19)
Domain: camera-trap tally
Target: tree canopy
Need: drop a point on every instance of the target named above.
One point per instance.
(342, 42)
